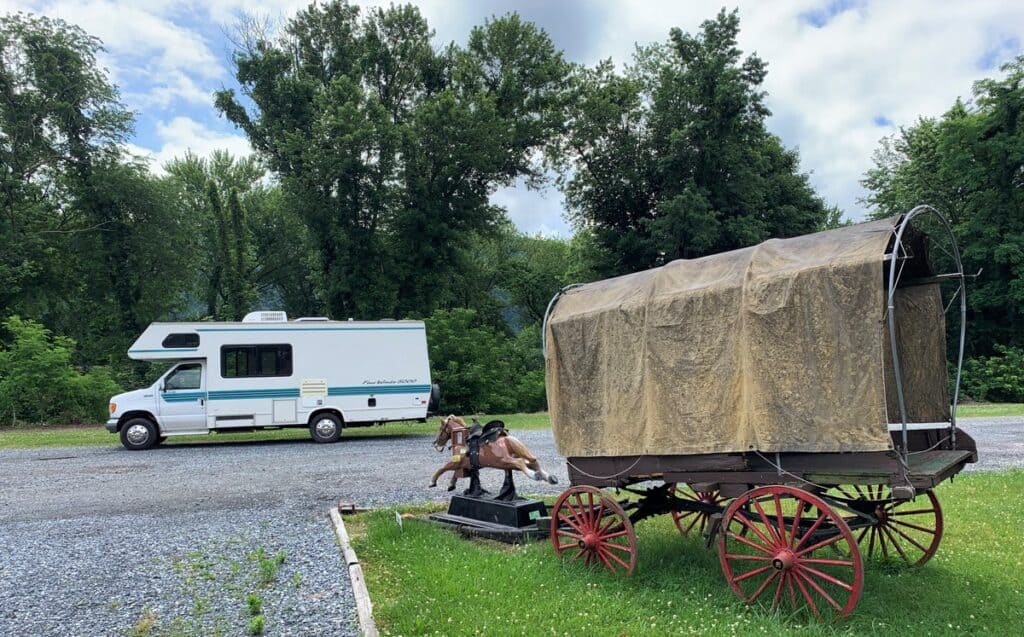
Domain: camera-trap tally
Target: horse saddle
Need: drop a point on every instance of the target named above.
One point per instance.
(481, 436)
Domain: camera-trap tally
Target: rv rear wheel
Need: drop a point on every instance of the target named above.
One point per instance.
(325, 428)
(138, 434)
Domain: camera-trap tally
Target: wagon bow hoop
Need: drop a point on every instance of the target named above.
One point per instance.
(894, 258)
(547, 315)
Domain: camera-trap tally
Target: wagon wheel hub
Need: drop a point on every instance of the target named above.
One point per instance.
(784, 560)
(589, 541)
(882, 514)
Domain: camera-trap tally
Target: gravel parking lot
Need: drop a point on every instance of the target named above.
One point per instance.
(99, 540)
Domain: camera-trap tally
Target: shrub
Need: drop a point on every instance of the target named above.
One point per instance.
(998, 378)
(482, 369)
(38, 384)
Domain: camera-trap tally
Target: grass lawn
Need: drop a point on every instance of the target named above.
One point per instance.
(97, 435)
(983, 410)
(426, 580)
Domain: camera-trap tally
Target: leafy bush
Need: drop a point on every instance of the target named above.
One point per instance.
(482, 369)
(38, 384)
(998, 378)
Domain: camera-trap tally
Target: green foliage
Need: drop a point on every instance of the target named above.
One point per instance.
(968, 164)
(998, 378)
(38, 383)
(256, 625)
(671, 159)
(388, 149)
(480, 369)
(255, 603)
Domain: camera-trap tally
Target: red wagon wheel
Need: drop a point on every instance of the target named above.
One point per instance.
(907, 529)
(587, 524)
(781, 555)
(687, 521)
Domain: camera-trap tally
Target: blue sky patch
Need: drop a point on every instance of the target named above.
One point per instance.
(822, 15)
(1003, 51)
(882, 120)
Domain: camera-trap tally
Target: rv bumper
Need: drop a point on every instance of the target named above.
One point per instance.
(112, 425)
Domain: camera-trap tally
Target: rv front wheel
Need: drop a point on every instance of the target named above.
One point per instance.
(138, 434)
(325, 428)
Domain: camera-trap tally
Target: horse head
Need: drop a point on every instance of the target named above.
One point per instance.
(444, 434)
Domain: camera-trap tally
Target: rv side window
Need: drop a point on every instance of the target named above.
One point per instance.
(188, 376)
(174, 341)
(247, 361)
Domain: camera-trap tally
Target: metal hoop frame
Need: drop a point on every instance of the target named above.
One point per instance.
(894, 258)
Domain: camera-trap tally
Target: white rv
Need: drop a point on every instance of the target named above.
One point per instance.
(269, 372)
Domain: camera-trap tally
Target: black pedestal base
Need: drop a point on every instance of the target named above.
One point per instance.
(507, 521)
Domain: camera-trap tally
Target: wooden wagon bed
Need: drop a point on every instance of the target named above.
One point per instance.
(927, 466)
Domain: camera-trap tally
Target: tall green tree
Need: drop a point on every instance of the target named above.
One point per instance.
(969, 164)
(389, 149)
(671, 159)
(58, 115)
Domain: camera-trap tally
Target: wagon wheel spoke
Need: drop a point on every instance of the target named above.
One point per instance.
(820, 545)
(912, 531)
(807, 596)
(796, 521)
(810, 531)
(895, 544)
(781, 559)
(825, 576)
(778, 591)
(916, 527)
(819, 590)
(750, 525)
(750, 543)
(763, 586)
(768, 525)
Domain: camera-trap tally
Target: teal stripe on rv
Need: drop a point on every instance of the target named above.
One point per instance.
(288, 392)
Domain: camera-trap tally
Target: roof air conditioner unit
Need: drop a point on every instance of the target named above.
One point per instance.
(265, 317)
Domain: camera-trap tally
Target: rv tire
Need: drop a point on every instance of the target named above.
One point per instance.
(325, 427)
(138, 434)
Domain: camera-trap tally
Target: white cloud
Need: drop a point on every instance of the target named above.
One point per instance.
(183, 134)
(826, 85)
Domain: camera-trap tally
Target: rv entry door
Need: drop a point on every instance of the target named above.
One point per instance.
(183, 399)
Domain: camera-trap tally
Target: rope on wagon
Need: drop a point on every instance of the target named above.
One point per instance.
(779, 468)
(616, 475)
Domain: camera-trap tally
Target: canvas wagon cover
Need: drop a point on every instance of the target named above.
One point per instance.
(782, 346)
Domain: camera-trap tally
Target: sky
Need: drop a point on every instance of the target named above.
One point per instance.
(842, 74)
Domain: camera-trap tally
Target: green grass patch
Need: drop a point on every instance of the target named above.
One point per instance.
(97, 435)
(988, 410)
(426, 580)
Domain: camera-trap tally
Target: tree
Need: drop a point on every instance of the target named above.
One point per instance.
(58, 114)
(387, 149)
(672, 159)
(969, 164)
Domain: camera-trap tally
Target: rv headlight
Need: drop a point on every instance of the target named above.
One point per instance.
(113, 408)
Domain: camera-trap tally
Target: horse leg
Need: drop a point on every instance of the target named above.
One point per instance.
(532, 465)
(437, 474)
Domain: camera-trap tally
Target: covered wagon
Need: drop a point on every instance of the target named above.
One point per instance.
(789, 401)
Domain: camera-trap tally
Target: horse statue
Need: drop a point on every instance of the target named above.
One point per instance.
(487, 446)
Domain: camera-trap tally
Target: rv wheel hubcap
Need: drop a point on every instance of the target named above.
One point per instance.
(325, 428)
(137, 434)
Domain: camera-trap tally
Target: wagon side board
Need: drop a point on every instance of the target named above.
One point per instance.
(931, 460)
